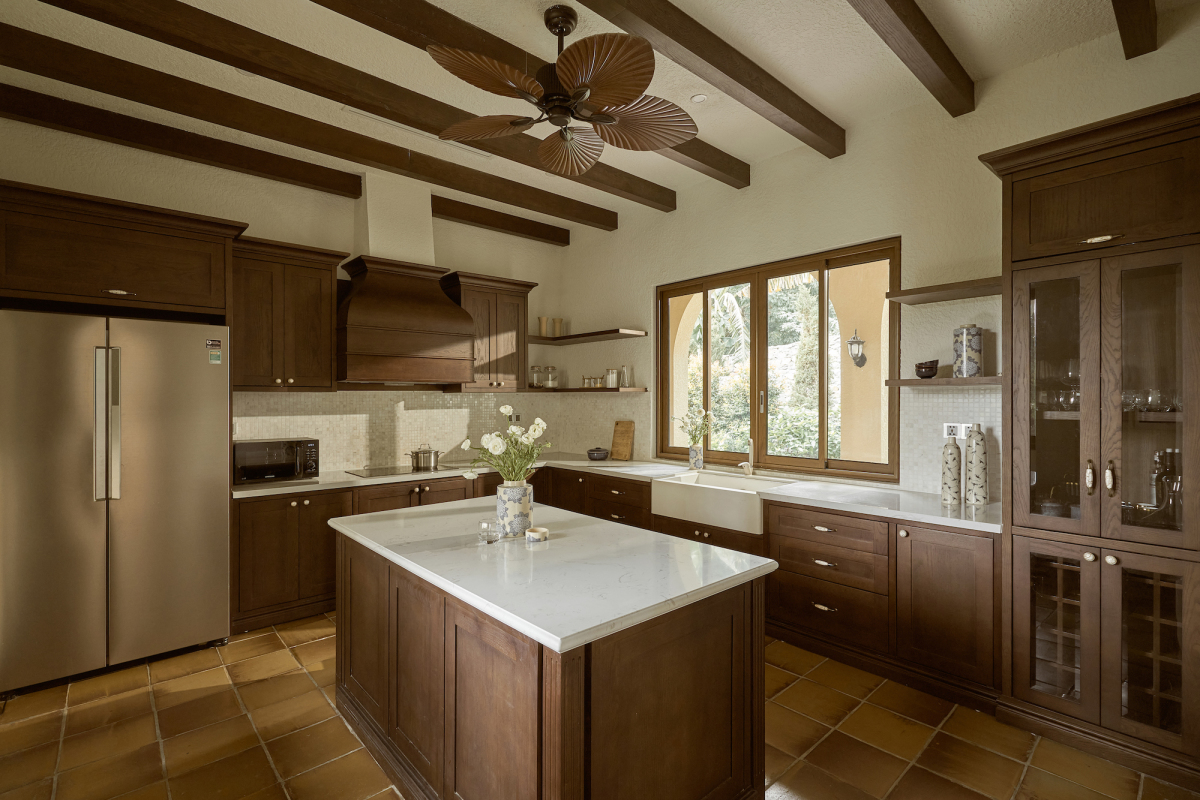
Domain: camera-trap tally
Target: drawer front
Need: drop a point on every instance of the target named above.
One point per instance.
(633, 493)
(446, 490)
(720, 537)
(618, 512)
(829, 608)
(386, 498)
(851, 533)
(868, 571)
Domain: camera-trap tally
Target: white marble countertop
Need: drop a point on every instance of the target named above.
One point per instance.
(897, 504)
(590, 579)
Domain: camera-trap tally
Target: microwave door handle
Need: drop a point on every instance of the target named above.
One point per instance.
(114, 423)
(100, 426)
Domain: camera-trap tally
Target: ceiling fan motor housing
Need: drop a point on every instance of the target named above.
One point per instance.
(561, 20)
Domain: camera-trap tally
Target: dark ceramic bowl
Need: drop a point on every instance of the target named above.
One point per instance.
(927, 369)
(597, 454)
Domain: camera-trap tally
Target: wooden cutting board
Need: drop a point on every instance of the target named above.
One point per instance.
(622, 445)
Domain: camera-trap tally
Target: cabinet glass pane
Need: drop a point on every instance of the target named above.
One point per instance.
(794, 365)
(1054, 398)
(685, 353)
(1152, 401)
(729, 367)
(1151, 651)
(1054, 604)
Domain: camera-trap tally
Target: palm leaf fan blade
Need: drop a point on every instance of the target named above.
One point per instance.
(489, 127)
(486, 73)
(648, 123)
(616, 68)
(570, 151)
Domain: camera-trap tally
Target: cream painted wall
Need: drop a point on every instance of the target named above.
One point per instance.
(857, 297)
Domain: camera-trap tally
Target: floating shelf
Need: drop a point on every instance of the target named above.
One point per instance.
(584, 338)
(992, 380)
(963, 290)
(1061, 415)
(1159, 416)
(601, 390)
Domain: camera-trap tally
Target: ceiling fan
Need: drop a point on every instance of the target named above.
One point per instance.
(599, 80)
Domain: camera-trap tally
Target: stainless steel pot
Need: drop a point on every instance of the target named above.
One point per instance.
(424, 459)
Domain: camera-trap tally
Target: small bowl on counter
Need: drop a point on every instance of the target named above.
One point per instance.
(927, 369)
(597, 454)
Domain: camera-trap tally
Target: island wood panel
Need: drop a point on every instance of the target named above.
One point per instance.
(416, 649)
(363, 615)
(317, 551)
(564, 723)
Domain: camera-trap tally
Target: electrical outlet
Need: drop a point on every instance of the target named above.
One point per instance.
(963, 429)
(950, 429)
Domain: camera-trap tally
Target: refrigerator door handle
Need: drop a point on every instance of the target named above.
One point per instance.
(99, 426)
(114, 423)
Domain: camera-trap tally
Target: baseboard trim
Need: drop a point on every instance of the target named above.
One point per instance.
(282, 615)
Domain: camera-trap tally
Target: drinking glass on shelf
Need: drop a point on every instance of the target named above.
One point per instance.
(1129, 400)
(1071, 377)
(1143, 400)
(1073, 400)
(489, 530)
(1154, 400)
(1177, 401)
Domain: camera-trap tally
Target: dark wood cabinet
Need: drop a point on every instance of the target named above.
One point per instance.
(315, 552)
(282, 316)
(707, 534)
(445, 490)
(831, 609)
(387, 497)
(364, 591)
(570, 490)
(499, 307)
(417, 657)
(944, 602)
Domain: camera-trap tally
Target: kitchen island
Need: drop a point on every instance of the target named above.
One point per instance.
(608, 662)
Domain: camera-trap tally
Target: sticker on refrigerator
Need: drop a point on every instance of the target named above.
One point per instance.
(214, 356)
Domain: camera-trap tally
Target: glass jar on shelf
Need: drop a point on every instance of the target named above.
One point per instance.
(611, 381)
(535, 378)
(550, 377)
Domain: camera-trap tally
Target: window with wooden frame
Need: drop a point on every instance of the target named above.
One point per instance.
(794, 355)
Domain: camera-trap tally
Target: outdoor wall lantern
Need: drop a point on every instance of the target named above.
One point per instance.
(854, 346)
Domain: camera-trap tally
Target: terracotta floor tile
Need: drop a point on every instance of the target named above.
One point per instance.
(240, 637)
(155, 791)
(250, 648)
(107, 741)
(972, 766)
(388, 794)
(790, 732)
(276, 689)
(777, 764)
(111, 777)
(815, 700)
(352, 777)
(169, 694)
(886, 730)
(34, 704)
(202, 746)
(324, 673)
(857, 764)
(330, 693)
(792, 658)
(845, 679)
(777, 680)
(1040, 785)
(806, 782)
(113, 683)
(230, 778)
(1087, 770)
(30, 732)
(108, 710)
(186, 664)
(332, 615)
(921, 784)
(197, 713)
(281, 719)
(42, 790)
(260, 667)
(1154, 789)
(767, 641)
(985, 731)
(320, 650)
(306, 630)
(272, 792)
(305, 749)
(27, 766)
(911, 703)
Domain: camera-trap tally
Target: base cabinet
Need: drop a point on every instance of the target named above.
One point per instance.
(362, 660)
(569, 490)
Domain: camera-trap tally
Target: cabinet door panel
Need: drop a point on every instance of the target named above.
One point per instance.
(256, 330)
(507, 338)
(308, 326)
(418, 659)
(317, 554)
(1151, 671)
(267, 554)
(1056, 626)
(944, 602)
(570, 490)
(1151, 324)
(482, 308)
(363, 628)
(444, 491)
(386, 498)
(542, 486)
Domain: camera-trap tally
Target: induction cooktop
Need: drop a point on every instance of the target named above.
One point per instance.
(383, 472)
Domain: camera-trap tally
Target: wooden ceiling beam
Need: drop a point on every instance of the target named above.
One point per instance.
(491, 220)
(698, 50)
(1137, 20)
(197, 31)
(107, 126)
(52, 58)
(420, 23)
(904, 28)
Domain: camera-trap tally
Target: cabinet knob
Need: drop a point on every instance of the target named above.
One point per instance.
(291, 380)
(417, 490)
(903, 534)
(581, 480)
(279, 380)
(705, 534)
(1112, 560)
(500, 383)
(305, 502)
(697, 533)
(293, 504)
(1089, 557)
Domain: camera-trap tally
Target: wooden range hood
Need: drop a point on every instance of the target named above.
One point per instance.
(396, 325)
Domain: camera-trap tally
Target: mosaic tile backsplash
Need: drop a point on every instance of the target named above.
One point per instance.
(922, 412)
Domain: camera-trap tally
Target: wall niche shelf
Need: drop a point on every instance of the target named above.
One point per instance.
(991, 380)
(584, 338)
(962, 290)
(600, 390)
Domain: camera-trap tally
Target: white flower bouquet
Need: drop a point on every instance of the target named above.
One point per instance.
(695, 424)
(512, 453)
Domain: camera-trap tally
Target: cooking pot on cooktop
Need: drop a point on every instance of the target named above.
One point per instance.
(424, 458)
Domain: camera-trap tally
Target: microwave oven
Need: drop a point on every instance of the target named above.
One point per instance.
(266, 460)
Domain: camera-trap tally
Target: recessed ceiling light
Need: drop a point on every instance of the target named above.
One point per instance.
(699, 98)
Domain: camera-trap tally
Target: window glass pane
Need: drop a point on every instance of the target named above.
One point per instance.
(685, 387)
(729, 367)
(857, 394)
(793, 365)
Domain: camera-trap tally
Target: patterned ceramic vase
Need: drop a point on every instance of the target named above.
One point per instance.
(951, 473)
(976, 491)
(968, 351)
(514, 501)
(696, 456)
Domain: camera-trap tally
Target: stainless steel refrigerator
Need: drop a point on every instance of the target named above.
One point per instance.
(114, 491)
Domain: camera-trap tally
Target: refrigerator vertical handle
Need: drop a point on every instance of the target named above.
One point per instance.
(100, 426)
(114, 423)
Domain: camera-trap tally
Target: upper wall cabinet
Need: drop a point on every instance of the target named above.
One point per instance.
(500, 308)
(60, 246)
(281, 319)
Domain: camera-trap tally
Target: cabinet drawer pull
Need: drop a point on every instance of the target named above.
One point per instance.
(822, 563)
(1108, 237)
(614, 516)
(1112, 561)
(1110, 478)
(120, 292)
(614, 491)
(823, 529)
(822, 607)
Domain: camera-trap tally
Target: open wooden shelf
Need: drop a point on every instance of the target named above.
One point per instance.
(1061, 415)
(963, 290)
(584, 338)
(600, 390)
(991, 380)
